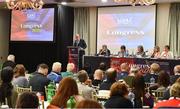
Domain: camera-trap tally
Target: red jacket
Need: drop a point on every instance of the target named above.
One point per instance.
(171, 103)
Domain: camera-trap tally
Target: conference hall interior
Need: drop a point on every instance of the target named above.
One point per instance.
(90, 54)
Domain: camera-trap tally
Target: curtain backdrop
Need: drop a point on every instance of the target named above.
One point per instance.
(81, 25)
(174, 28)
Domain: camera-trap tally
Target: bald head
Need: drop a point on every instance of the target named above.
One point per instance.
(98, 74)
(11, 58)
(77, 37)
(124, 67)
(177, 70)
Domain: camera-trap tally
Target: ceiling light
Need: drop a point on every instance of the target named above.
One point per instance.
(24, 4)
(63, 3)
(104, 1)
(134, 2)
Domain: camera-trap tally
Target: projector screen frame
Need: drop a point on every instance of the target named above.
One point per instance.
(55, 7)
(97, 12)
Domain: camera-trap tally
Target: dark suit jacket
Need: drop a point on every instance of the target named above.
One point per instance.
(38, 82)
(148, 76)
(96, 82)
(173, 78)
(118, 102)
(81, 44)
(106, 85)
(9, 64)
(105, 53)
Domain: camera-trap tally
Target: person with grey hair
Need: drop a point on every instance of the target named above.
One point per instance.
(104, 51)
(10, 62)
(55, 74)
(98, 77)
(83, 88)
(69, 70)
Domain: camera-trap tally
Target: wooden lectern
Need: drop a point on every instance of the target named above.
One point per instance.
(73, 56)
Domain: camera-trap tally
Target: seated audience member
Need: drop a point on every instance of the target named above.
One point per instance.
(139, 90)
(27, 100)
(166, 95)
(39, 80)
(69, 72)
(98, 77)
(167, 54)
(124, 71)
(130, 78)
(87, 68)
(153, 75)
(67, 88)
(104, 51)
(55, 75)
(10, 62)
(102, 66)
(140, 51)
(163, 81)
(87, 104)
(118, 96)
(156, 53)
(176, 75)
(111, 75)
(123, 52)
(174, 101)
(83, 88)
(7, 91)
(19, 76)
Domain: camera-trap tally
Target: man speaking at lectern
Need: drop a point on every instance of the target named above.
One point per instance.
(78, 42)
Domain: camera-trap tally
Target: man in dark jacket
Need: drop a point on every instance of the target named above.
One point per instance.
(81, 44)
(38, 81)
(10, 62)
(111, 78)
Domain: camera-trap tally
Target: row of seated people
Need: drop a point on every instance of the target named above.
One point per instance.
(123, 52)
(68, 87)
(105, 80)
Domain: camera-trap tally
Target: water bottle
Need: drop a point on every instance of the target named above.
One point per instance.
(152, 80)
(131, 96)
(71, 103)
(50, 91)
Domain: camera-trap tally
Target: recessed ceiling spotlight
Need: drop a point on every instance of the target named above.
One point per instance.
(104, 1)
(63, 3)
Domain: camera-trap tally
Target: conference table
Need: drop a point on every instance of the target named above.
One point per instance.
(92, 62)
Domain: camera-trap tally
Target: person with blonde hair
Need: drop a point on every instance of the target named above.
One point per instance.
(118, 96)
(69, 70)
(124, 71)
(174, 100)
(98, 77)
(153, 75)
(55, 75)
(176, 75)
